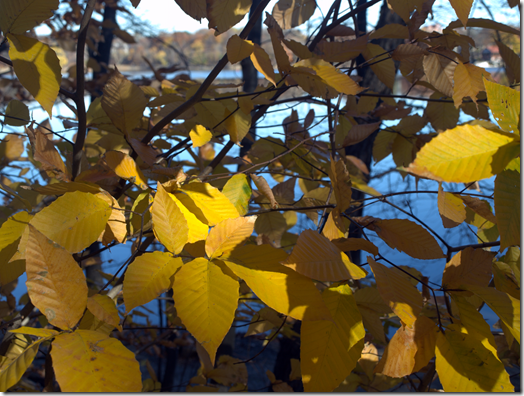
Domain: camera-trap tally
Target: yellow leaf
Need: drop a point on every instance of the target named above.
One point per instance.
(126, 168)
(206, 298)
(228, 234)
(329, 350)
(197, 230)
(279, 287)
(471, 266)
(147, 277)
(507, 207)
(316, 257)
(264, 188)
(196, 9)
(140, 215)
(451, 208)
(169, 224)
(123, 102)
(56, 285)
(462, 9)
(17, 113)
(74, 221)
(200, 135)
(293, 13)
(298, 49)
(307, 79)
(19, 16)
(237, 123)
(116, 227)
(276, 34)
(42, 333)
(16, 364)
(334, 227)
(37, 68)
(505, 279)
(238, 49)
(223, 14)
(506, 307)
(465, 365)
(464, 154)
(408, 237)
(331, 76)
(504, 103)
(480, 207)
(45, 152)
(468, 82)
(410, 349)
(262, 63)
(213, 205)
(83, 359)
(403, 298)
(238, 191)
(340, 180)
(381, 64)
(104, 308)
(13, 228)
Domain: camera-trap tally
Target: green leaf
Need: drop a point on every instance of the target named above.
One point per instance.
(37, 68)
(238, 191)
(19, 16)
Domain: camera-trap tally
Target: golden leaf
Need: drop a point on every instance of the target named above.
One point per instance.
(238, 49)
(228, 234)
(126, 168)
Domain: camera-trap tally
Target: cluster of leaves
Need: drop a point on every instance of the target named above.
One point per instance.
(119, 182)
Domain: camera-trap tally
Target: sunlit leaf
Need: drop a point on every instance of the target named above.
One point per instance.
(83, 359)
(197, 230)
(147, 277)
(451, 208)
(504, 103)
(464, 154)
(229, 234)
(460, 370)
(402, 297)
(206, 297)
(126, 168)
(262, 63)
(169, 224)
(238, 191)
(74, 221)
(55, 283)
(329, 350)
(238, 49)
(316, 257)
(37, 68)
(279, 287)
(200, 135)
(13, 228)
(462, 9)
(410, 349)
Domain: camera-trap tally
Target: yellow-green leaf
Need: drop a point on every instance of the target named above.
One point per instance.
(18, 16)
(410, 349)
(317, 257)
(238, 191)
(504, 103)
(329, 351)
(104, 308)
(13, 228)
(169, 224)
(16, 113)
(279, 287)
(223, 14)
(37, 68)
(229, 234)
(465, 365)
(238, 49)
(56, 284)
(147, 277)
(465, 154)
(200, 135)
(206, 298)
(89, 361)
(408, 237)
(126, 168)
(293, 13)
(471, 266)
(468, 82)
(400, 294)
(123, 102)
(74, 221)
(331, 76)
(214, 205)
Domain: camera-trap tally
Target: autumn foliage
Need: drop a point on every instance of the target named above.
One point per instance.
(221, 242)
